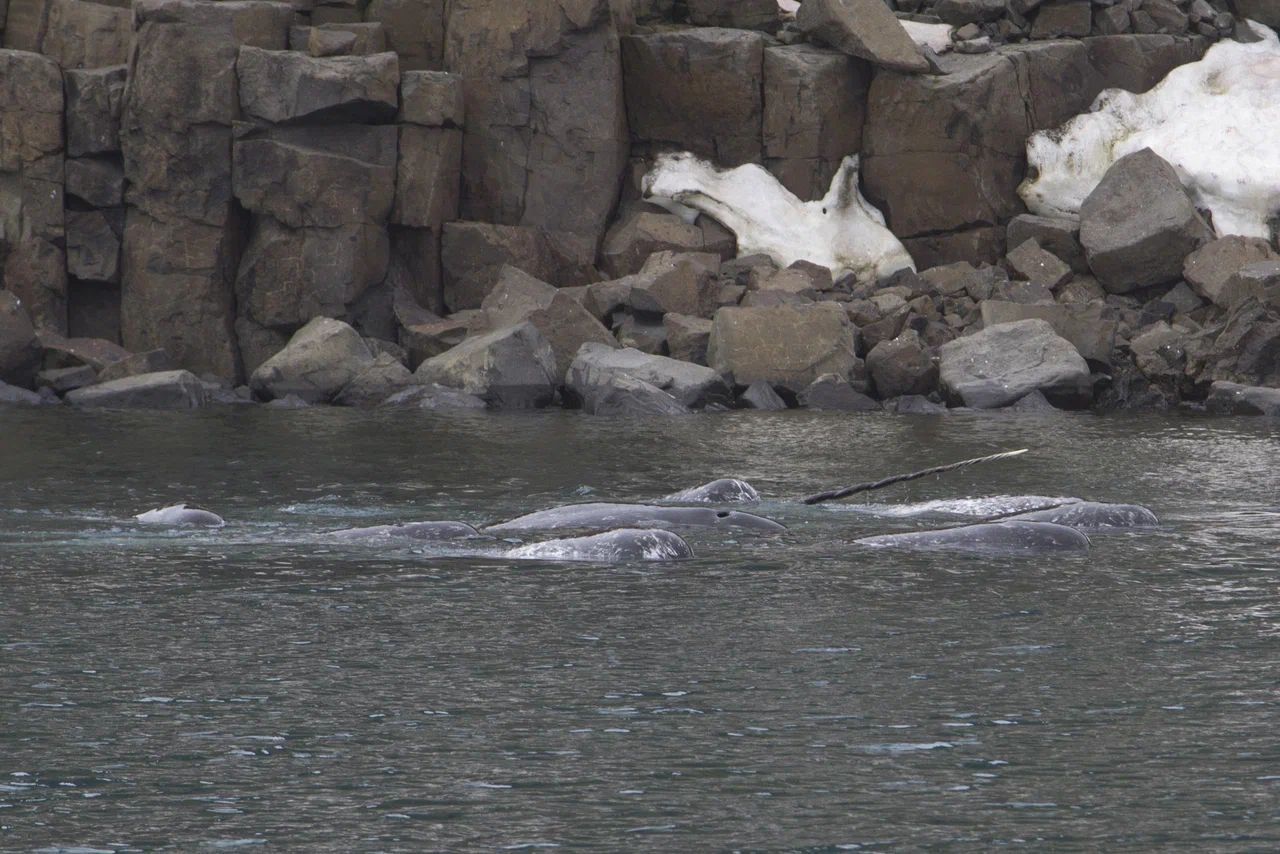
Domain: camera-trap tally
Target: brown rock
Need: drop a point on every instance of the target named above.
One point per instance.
(735, 14)
(1071, 19)
(862, 28)
(473, 254)
(698, 90)
(415, 30)
(428, 177)
(1210, 268)
(687, 337)
(432, 99)
(1028, 261)
(787, 346)
(636, 236)
(95, 98)
(87, 35)
(283, 86)
(93, 246)
(98, 181)
(19, 347)
(680, 282)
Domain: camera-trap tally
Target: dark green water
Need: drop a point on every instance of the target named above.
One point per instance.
(260, 685)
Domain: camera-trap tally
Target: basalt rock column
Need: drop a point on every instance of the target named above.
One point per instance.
(183, 232)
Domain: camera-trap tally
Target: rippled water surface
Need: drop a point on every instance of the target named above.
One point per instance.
(263, 685)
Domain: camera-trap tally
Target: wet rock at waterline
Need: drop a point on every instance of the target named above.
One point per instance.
(513, 368)
(163, 390)
(320, 360)
(1003, 363)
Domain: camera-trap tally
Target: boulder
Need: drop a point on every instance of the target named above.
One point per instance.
(62, 352)
(644, 334)
(833, 393)
(639, 234)
(1057, 235)
(902, 366)
(1265, 12)
(1160, 353)
(687, 337)
(380, 379)
(431, 338)
(680, 282)
(473, 254)
(1137, 62)
(1247, 350)
(814, 110)
(1209, 268)
(1091, 327)
(1003, 363)
(94, 98)
(693, 386)
(433, 398)
(613, 393)
(697, 90)
(12, 395)
(19, 346)
(320, 360)
(1235, 399)
(1259, 280)
(150, 362)
(760, 395)
(957, 13)
(163, 390)
(286, 86)
(514, 297)
(1139, 224)
(787, 346)
(866, 29)
(63, 380)
(1071, 19)
(512, 368)
(1028, 261)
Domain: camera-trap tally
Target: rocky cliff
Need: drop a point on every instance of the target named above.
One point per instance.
(196, 182)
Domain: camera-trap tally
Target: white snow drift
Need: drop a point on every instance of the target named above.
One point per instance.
(842, 231)
(936, 37)
(1216, 121)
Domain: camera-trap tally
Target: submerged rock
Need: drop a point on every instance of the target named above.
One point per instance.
(162, 390)
(433, 398)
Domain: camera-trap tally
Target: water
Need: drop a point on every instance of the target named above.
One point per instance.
(261, 686)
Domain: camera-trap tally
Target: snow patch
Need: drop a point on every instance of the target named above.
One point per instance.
(841, 231)
(1215, 121)
(936, 37)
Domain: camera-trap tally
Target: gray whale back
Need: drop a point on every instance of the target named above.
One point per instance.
(620, 545)
(428, 531)
(1094, 516)
(181, 514)
(603, 516)
(726, 490)
(1012, 536)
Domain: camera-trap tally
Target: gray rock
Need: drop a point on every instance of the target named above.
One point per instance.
(639, 234)
(786, 346)
(760, 395)
(432, 99)
(737, 14)
(1235, 399)
(680, 282)
(98, 181)
(1090, 327)
(1182, 298)
(379, 380)
(611, 393)
(1058, 235)
(11, 395)
(94, 100)
(473, 254)
(1034, 402)
(643, 334)
(1139, 224)
(63, 380)
(687, 337)
(914, 404)
(832, 393)
(902, 366)
(1003, 363)
(960, 12)
(862, 28)
(19, 346)
(1209, 268)
(1030, 262)
(162, 390)
(318, 362)
(512, 368)
(692, 386)
(1259, 280)
(433, 398)
(1072, 19)
(288, 402)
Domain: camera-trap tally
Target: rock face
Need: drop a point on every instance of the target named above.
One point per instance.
(286, 86)
(31, 162)
(1139, 224)
(321, 359)
(19, 347)
(182, 236)
(474, 254)
(692, 386)
(164, 390)
(545, 112)
(512, 368)
(786, 346)
(714, 74)
(1003, 363)
(862, 28)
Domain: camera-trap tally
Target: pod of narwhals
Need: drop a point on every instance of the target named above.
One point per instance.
(627, 532)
